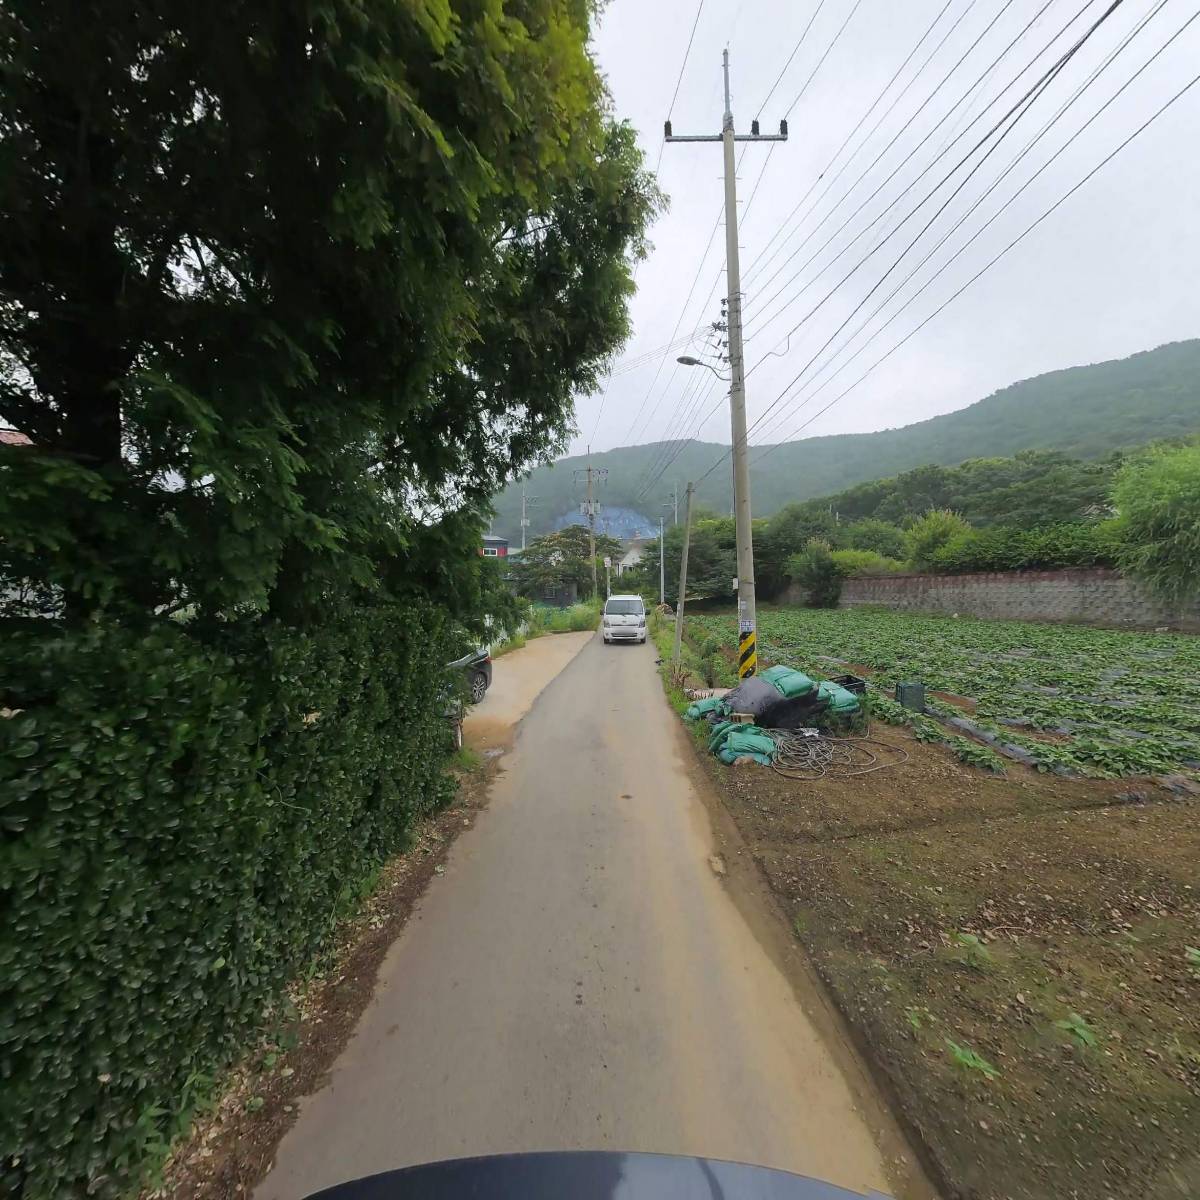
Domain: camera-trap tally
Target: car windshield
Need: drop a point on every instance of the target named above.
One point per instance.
(624, 608)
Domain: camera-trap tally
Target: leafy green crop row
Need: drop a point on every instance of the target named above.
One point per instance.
(1123, 703)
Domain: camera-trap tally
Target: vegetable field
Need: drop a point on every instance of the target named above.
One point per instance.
(1099, 702)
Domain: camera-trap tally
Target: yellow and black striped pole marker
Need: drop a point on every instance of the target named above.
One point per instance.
(747, 653)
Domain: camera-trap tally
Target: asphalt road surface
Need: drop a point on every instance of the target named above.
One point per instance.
(581, 978)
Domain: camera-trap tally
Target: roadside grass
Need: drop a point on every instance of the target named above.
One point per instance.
(579, 618)
(466, 761)
(509, 644)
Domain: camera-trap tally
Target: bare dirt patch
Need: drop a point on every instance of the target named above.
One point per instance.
(1011, 953)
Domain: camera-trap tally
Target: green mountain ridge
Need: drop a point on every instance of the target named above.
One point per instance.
(1085, 411)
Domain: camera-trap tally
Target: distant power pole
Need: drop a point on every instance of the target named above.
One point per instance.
(590, 508)
(747, 622)
(687, 537)
(675, 501)
(662, 565)
(526, 503)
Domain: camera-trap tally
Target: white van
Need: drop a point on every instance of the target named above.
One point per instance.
(624, 619)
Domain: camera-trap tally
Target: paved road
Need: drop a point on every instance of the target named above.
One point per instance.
(581, 978)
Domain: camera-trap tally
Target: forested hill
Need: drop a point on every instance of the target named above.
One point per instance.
(1084, 411)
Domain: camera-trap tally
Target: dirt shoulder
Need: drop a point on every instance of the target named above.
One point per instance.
(1011, 954)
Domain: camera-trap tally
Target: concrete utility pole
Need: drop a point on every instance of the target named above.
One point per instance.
(662, 566)
(675, 501)
(590, 508)
(526, 502)
(747, 623)
(687, 537)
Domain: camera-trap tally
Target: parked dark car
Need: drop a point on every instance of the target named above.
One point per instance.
(477, 668)
(467, 681)
(587, 1175)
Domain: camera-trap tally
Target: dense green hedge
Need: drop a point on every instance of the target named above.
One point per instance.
(1001, 548)
(181, 819)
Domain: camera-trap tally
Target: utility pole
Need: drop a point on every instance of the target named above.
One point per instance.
(526, 502)
(662, 566)
(675, 501)
(747, 623)
(590, 508)
(687, 537)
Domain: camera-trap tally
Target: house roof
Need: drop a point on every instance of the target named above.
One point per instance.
(13, 437)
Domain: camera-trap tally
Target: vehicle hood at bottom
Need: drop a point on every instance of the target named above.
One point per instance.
(588, 1175)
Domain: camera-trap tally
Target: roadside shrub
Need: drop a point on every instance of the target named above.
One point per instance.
(1001, 548)
(870, 534)
(182, 819)
(926, 536)
(1157, 496)
(864, 562)
(576, 619)
(815, 570)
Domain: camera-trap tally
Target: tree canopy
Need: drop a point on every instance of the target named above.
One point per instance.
(1157, 497)
(289, 291)
(561, 557)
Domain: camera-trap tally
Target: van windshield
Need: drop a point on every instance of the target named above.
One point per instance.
(624, 608)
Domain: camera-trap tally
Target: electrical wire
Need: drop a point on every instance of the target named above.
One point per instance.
(682, 67)
(1026, 100)
(795, 51)
(861, 121)
(913, 152)
(1063, 108)
(674, 333)
(936, 89)
(985, 268)
(821, 60)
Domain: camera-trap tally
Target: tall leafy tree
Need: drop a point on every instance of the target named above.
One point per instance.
(288, 290)
(562, 557)
(1157, 496)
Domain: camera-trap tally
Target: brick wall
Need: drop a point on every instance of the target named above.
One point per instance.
(1094, 596)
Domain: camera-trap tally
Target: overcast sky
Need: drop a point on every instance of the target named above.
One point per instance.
(1116, 269)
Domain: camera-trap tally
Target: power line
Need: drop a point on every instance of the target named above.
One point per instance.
(676, 423)
(986, 267)
(902, 130)
(821, 60)
(1096, 73)
(1030, 96)
(625, 366)
(861, 121)
(859, 124)
(1039, 84)
(795, 50)
(675, 331)
(682, 66)
(710, 383)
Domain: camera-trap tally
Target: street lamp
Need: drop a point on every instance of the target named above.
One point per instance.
(688, 361)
